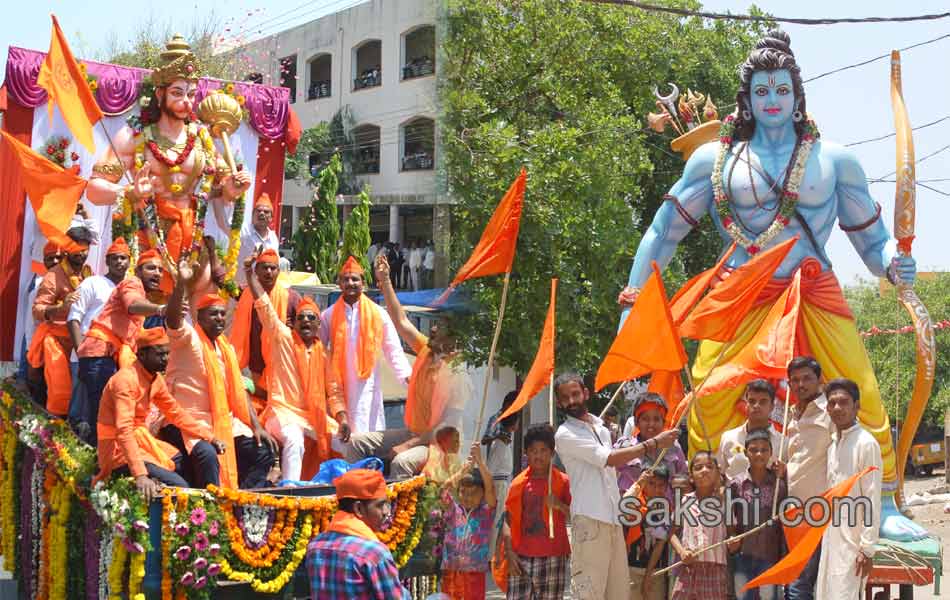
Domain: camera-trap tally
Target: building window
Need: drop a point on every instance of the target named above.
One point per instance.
(317, 161)
(319, 73)
(366, 138)
(288, 75)
(254, 78)
(367, 65)
(286, 224)
(418, 144)
(418, 51)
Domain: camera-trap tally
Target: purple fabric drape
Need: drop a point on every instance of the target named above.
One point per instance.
(92, 526)
(118, 89)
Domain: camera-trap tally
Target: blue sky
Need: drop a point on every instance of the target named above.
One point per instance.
(849, 106)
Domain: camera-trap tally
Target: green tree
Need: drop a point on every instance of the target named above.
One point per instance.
(316, 239)
(356, 238)
(313, 141)
(562, 87)
(893, 356)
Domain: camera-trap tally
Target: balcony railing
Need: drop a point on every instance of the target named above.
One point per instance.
(318, 89)
(418, 67)
(371, 78)
(420, 161)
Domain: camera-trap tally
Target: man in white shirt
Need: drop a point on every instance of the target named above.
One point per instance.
(371, 254)
(428, 267)
(415, 265)
(598, 551)
(848, 549)
(356, 330)
(94, 292)
(809, 436)
(759, 399)
(260, 234)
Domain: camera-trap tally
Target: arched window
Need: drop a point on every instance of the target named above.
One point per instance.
(367, 65)
(418, 52)
(366, 138)
(288, 75)
(417, 144)
(318, 72)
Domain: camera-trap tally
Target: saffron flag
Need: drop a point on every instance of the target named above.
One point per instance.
(495, 251)
(718, 315)
(687, 296)
(539, 376)
(67, 88)
(803, 539)
(769, 351)
(648, 340)
(54, 191)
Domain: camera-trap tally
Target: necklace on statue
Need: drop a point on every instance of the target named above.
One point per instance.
(765, 175)
(163, 158)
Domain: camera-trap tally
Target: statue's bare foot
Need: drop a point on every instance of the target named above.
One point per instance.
(895, 526)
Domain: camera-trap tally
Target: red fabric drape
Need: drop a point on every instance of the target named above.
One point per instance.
(17, 121)
(269, 178)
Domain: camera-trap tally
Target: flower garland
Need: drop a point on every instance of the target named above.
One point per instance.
(9, 496)
(58, 553)
(91, 80)
(43, 576)
(788, 199)
(117, 571)
(55, 150)
(195, 537)
(299, 540)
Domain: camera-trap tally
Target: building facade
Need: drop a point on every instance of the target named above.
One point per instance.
(376, 61)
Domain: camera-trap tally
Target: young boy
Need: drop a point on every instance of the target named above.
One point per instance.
(442, 460)
(759, 400)
(704, 573)
(647, 541)
(537, 562)
(468, 524)
(847, 550)
(756, 488)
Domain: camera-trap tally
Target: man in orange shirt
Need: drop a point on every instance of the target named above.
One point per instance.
(205, 379)
(126, 445)
(301, 391)
(253, 349)
(110, 341)
(51, 345)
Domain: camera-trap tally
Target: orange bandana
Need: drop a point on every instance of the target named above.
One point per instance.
(367, 345)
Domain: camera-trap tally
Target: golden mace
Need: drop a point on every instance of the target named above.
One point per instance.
(223, 114)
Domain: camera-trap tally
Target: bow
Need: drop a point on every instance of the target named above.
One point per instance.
(904, 217)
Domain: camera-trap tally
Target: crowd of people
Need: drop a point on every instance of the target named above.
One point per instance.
(412, 267)
(172, 394)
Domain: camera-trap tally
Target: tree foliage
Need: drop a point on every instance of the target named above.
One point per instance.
(317, 238)
(562, 87)
(894, 355)
(356, 238)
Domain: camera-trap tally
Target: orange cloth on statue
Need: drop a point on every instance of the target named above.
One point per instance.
(215, 398)
(301, 390)
(178, 236)
(113, 332)
(367, 346)
(241, 326)
(123, 436)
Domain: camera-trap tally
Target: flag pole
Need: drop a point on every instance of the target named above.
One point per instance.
(610, 403)
(781, 452)
(491, 353)
(551, 465)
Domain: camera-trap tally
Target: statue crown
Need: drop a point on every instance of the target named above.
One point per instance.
(179, 62)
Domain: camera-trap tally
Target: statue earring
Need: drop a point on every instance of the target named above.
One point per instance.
(797, 116)
(746, 115)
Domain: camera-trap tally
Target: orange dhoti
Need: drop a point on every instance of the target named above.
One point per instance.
(826, 331)
(50, 349)
(178, 225)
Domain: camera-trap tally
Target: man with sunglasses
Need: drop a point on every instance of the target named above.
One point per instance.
(302, 394)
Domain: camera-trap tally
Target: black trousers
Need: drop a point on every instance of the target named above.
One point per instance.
(202, 467)
(173, 478)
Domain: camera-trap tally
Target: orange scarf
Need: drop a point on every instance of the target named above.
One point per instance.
(367, 345)
(241, 325)
(419, 396)
(311, 370)
(635, 533)
(514, 506)
(226, 395)
(349, 524)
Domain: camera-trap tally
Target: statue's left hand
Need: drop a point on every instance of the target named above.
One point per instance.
(904, 267)
(236, 184)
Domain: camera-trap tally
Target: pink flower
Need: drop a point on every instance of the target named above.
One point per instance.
(137, 548)
(200, 563)
(187, 579)
(201, 541)
(140, 525)
(753, 249)
(213, 549)
(198, 516)
(201, 582)
(726, 221)
(181, 528)
(213, 569)
(183, 553)
(213, 528)
(119, 529)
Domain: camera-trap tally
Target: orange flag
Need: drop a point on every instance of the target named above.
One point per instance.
(669, 385)
(53, 190)
(539, 377)
(802, 539)
(686, 298)
(769, 351)
(718, 315)
(496, 249)
(67, 88)
(648, 340)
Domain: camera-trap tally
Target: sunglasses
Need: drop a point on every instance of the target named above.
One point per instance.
(307, 317)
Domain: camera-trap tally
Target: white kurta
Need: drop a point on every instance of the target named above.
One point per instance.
(250, 240)
(851, 451)
(93, 293)
(364, 397)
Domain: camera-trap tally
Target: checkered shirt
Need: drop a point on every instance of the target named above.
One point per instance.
(346, 566)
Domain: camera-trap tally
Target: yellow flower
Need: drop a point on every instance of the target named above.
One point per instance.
(241, 100)
(175, 188)
(229, 88)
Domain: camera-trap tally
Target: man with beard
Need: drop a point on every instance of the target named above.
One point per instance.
(599, 554)
(204, 377)
(252, 349)
(258, 236)
(110, 340)
(127, 447)
(357, 330)
(171, 153)
(301, 391)
(51, 345)
(52, 255)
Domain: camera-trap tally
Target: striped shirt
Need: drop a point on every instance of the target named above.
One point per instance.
(346, 566)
